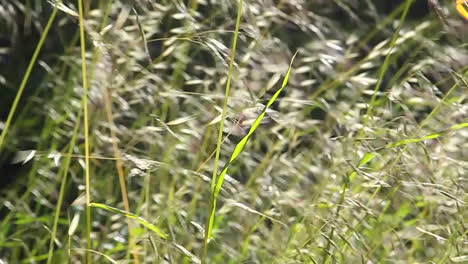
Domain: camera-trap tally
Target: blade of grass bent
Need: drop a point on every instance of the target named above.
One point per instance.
(237, 150)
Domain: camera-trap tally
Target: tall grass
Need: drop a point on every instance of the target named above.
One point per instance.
(236, 152)
(217, 180)
(360, 159)
(25, 79)
(86, 131)
(63, 185)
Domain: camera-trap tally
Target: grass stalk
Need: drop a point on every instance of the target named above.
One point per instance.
(383, 70)
(25, 79)
(386, 62)
(62, 189)
(120, 169)
(86, 130)
(368, 135)
(221, 126)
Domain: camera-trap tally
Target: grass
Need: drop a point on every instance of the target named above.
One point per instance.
(87, 176)
(25, 79)
(360, 158)
(217, 180)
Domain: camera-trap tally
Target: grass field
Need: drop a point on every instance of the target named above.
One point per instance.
(220, 131)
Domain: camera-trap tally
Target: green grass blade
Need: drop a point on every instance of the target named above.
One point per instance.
(86, 129)
(364, 160)
(62, 189)
(405, 142)
(459, 126)
(240, 146)
(367, 157)
(226, 96)
(386, 62)
(26, 75)
(237, 150)
(133, 216)
(221, 124)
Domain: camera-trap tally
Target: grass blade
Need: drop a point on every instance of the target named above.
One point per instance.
(237, 150)
(405, 142)
(86, 129)
(221, 126)
(133, 216)
(26, 75)
(62, 190)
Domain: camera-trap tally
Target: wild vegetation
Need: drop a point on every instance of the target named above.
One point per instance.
(220, 131)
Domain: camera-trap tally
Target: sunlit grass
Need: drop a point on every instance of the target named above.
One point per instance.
(360, 158)
(217, 180)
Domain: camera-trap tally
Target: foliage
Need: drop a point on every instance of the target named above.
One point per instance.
(361, 158)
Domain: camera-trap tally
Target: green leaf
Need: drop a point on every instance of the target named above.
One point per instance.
(364, 160)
